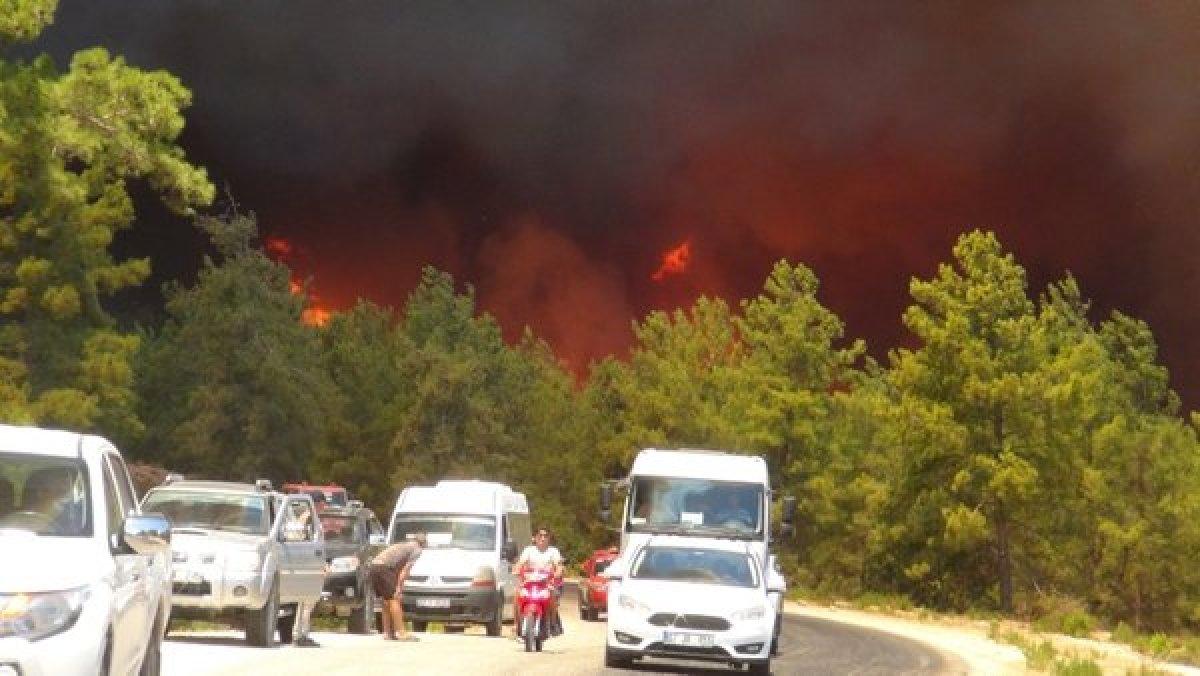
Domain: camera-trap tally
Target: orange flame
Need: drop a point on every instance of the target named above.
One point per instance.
(278, 246)
(315, 316)
(674, 261)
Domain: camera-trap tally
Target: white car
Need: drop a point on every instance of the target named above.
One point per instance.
(85, 584)
(690, 598)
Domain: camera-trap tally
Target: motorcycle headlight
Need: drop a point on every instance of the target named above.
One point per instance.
(36, 616)
(629, 603)
(344, 564)
(751, 613)
(243, 560)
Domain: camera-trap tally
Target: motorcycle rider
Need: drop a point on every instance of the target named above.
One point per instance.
(541, 555)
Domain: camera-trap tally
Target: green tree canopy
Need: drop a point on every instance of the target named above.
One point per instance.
(70, 145)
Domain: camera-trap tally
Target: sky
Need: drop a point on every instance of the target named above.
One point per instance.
(550, 153)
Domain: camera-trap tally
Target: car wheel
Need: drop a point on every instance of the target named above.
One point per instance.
(261, 622)
(762, 668)
(287, 626)
(497, 623)
(361, 618)
(614, 660)
(152, 661)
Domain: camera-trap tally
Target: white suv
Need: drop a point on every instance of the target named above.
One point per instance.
(690, 598)
(86, 586)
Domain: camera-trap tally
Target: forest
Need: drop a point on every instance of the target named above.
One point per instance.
(1014, 453)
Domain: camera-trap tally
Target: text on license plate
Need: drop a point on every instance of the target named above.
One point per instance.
(685, 639)
(433, 603)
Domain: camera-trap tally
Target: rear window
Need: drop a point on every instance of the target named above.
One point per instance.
(342, 529)
(46, 495)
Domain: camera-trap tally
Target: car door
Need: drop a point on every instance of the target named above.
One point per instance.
(304, 551)
(130, 601)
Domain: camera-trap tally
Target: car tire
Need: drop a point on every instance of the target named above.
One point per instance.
(261, 623)
(152, 660)
(287, 626)
(762, 668)
(614, 660)
(497, 624)
(362, 618)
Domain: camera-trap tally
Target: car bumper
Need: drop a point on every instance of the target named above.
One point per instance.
(452, 604)
(631, 636)
(78, 650)
(208, 589)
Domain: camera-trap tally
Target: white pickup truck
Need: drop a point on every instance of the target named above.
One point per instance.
(85, 582)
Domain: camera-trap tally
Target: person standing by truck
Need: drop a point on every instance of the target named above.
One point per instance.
(389, 570)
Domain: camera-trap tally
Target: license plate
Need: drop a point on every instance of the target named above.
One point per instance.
(433, 603)
(688, 640)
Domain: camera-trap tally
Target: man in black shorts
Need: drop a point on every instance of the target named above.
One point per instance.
(389, 570)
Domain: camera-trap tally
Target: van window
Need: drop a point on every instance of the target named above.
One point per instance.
(518, 529)
(448, 531)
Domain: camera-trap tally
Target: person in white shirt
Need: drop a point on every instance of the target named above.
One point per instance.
(541, 555)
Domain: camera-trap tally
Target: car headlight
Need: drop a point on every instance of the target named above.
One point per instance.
(751, 613)
(629, 603)
(35, 616)
(243, 560)
(344, 564)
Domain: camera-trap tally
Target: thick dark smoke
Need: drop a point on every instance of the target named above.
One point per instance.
(549, 152)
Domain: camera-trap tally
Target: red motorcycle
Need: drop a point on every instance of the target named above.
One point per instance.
(533, 601)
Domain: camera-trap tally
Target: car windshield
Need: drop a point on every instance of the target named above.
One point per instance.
(708, 566)
(447, 531)
(45, 495)
(672, 505)
(236, 512)
(339, 529)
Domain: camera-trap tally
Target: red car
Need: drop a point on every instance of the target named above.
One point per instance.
(593, 589)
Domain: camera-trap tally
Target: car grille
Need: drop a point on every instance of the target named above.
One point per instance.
(704, 622)
(192, 588)
(668, 649)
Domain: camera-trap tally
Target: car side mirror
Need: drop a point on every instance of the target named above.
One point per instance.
(146, 534)
(787, 526)
(509, 551)
(605, 502)
(377, 540)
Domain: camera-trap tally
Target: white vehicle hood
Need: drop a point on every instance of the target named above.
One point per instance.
(35, 563)
(213, 540)
(452, 562)
(692, 598)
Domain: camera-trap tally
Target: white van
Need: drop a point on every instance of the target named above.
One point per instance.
(474, 531)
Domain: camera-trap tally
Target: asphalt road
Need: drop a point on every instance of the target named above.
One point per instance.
(810, 646)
